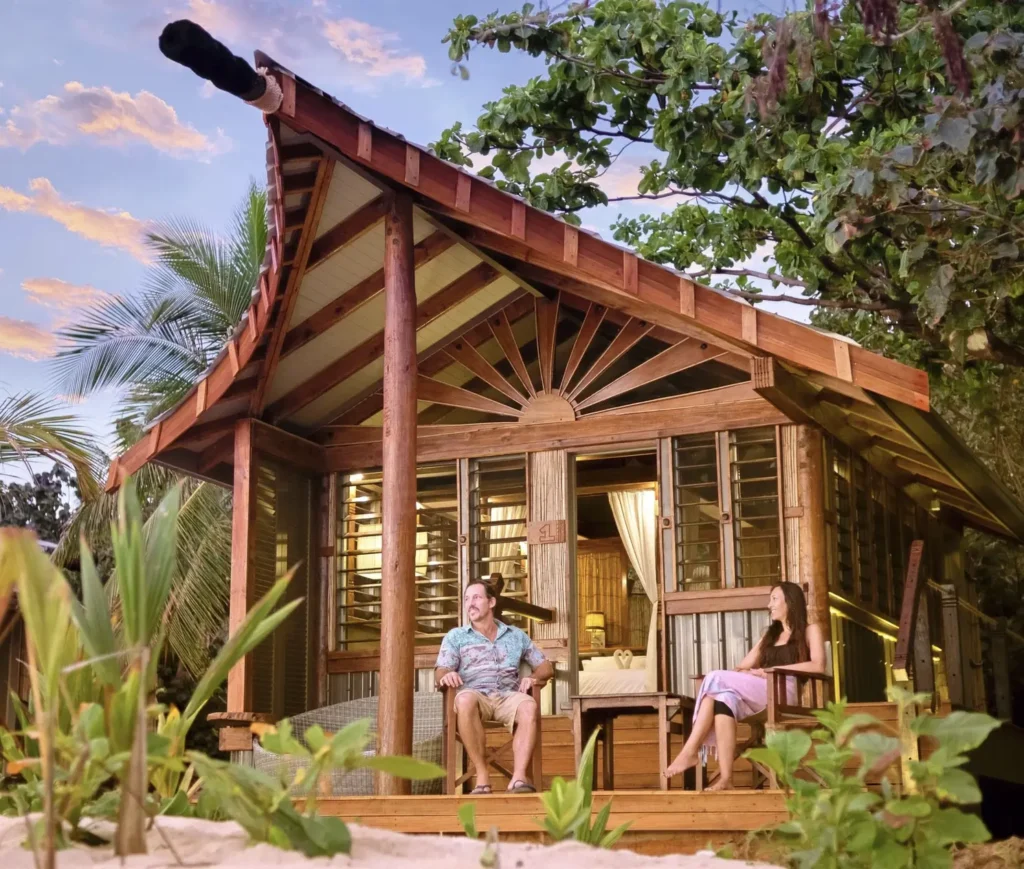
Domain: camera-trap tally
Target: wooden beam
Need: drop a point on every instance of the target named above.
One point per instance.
(547, 323)
(448, 189)
(221, 452)
(291, 449)
(913, 588)
(686, 354)
(469, 357)
(813, 557)
(502, 330)
(628, 336)
(398, 528)
(453, 396)
(433, 359)
(243, 587)
(444, 442)
(346, 231)
(591, 323)
(372, 348)
(952, 647)
(335, 311)
(291, 292)
(298, 182)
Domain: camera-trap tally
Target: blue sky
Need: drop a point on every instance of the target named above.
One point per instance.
(99, 134)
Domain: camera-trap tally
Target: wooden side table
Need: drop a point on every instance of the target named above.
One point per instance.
(591, 710)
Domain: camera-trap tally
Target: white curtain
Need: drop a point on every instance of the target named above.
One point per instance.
(636, 517)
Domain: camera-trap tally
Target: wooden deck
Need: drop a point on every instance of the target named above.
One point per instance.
(673, 822)
(663, 822)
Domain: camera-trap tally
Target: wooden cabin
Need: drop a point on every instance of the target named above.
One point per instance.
(436, 381)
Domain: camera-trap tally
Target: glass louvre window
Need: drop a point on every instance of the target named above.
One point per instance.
(438, 597)
(880, 542)
(698, 515)
(359, 561)
(754, 481)
(841, 489)
(862, 526)
(497, 519)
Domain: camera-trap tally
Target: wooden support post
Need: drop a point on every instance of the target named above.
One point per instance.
(327, 638)
(398, 533)
(243, 518)
(813, 551)
(952, 648)
(1001, 671)
(550, 494)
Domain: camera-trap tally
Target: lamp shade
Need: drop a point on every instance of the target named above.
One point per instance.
(594, 622)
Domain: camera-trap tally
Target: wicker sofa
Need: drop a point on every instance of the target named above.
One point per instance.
(427, 737)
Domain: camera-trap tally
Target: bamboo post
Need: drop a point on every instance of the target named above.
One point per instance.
(239, 698)
(398, 537)
(813, 559)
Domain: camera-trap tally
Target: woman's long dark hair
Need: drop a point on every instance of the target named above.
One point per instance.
(796, 606)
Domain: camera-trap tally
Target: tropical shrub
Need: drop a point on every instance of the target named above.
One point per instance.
(836, 821)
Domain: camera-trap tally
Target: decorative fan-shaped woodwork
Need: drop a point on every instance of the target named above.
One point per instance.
(555, 362)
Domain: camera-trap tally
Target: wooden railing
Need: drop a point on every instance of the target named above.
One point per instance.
(912, 662)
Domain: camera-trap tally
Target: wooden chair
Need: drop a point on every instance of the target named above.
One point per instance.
(454, 754)
(814, 690)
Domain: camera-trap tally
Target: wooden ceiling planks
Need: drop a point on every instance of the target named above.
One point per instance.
(346, 231)
(544, 239)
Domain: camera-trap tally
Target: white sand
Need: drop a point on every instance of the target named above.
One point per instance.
(205, 843)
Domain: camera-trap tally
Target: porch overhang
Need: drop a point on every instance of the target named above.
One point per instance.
(500, 286)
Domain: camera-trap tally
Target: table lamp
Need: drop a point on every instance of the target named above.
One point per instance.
(594, 624)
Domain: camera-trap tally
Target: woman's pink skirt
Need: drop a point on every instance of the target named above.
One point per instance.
(744, 693)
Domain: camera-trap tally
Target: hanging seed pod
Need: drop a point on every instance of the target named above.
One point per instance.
(879, 17)
(952, 52)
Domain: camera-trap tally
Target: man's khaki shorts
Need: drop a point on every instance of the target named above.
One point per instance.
(500, 707)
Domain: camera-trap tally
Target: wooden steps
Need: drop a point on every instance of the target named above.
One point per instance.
(673, 822)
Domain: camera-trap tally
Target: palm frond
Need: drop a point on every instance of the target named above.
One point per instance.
(32, 426)
(128, 341)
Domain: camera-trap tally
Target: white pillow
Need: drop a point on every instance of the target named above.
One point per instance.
(600, 664)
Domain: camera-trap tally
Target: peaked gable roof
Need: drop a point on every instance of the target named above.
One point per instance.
(308, 351)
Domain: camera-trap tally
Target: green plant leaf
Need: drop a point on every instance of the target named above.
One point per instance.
(467, 818)
(405, 767)
(960, 731)
(911, 807)
(952, 826)
(958, 786)
(613, 836)
(792, 746)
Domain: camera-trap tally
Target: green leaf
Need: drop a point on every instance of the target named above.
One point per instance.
(891, 855)
(612, 837)
(940, 289)
(955, 132)
(960, 731)
(911, 807)
(467, 818)
(952, 826)
(958, 786)
(792, 746)
(405, 767)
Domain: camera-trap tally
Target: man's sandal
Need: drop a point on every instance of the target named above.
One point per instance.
(480, 790)
(521, 787)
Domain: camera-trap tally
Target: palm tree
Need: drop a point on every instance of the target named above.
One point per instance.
(154, 347)
(33, 427)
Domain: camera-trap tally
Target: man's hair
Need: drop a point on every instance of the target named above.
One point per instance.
(492, 587)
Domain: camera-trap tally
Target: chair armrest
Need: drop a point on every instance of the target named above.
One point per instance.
(800, 674)
(238, 719)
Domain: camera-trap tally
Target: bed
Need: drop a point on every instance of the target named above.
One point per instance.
(613, 674)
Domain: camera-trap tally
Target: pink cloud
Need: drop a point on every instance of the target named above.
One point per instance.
(25, 340)
(61, 295)
(110, 117)
(109, 228)
(373, 50)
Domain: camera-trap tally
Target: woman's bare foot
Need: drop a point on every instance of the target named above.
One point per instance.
(684, 761)
(721, 785)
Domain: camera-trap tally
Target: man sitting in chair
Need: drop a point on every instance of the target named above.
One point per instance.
(481, 660)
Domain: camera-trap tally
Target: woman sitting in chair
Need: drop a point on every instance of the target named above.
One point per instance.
(728, 696)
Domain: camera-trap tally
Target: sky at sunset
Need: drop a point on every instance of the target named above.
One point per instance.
(100, 134)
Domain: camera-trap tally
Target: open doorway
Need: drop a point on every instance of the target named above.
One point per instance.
(616, 571)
